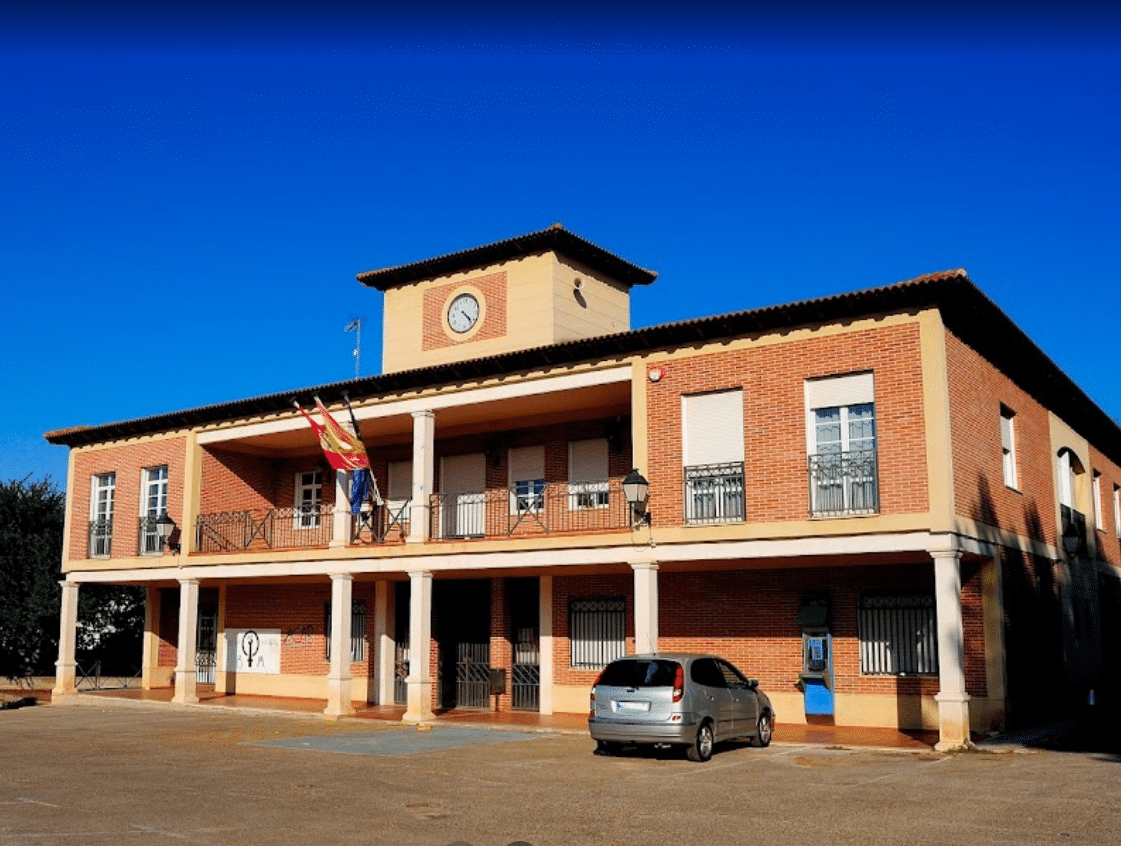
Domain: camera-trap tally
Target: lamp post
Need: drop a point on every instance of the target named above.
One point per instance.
(165, 526)
(636, 489)
(1071, 539)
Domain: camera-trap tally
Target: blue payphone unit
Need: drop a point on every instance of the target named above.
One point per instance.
(817, 659)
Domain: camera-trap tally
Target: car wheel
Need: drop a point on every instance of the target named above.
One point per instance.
(764, 730)
(608, 747)
(701, 748)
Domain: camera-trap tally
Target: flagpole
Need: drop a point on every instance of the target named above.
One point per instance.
(356, 327)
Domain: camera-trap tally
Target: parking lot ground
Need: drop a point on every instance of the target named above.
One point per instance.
(139, 775)
(564, 723)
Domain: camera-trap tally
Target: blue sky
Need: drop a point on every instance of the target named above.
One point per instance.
(186, 195)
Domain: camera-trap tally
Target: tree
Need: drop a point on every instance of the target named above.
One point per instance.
(111, 617)
(31, 522)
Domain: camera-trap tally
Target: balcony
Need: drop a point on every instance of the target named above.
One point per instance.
(101, 538)
(714, 494)
(536, 508)
(844, 483)
(272, 528)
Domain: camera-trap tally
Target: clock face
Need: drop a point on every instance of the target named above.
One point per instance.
(463, 313)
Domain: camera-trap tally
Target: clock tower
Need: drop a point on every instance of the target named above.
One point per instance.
(538, 289)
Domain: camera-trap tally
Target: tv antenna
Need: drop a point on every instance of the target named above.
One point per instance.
(356, 327)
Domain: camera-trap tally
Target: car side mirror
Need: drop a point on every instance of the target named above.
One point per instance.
(752, 684)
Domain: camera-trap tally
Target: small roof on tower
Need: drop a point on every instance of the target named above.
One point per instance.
(556, 239)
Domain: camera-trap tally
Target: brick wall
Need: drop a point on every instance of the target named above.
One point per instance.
(493, 289)
(772, 378)
(298, 611)
(127, 461)
(234, 481)
(750, 617)
(977, 392)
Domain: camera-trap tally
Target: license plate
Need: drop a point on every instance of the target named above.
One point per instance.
(623, 705)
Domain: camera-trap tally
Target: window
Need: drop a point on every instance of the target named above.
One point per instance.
(1099, 520)
(597, 631)
(399, 491)
(153, 503)
(309, 495)
(898, 635)
(587, 474)
(527, 480)
(1008, 445)
(357, 629)
(712, 454)
(103, 487)
(841, 440)
(1117, 511)
(463, 507)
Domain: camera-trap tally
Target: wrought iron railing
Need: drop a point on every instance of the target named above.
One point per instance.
(551, 508)
(385, 523)
(844, 483)
(92, 676)
(101, 538)
(266, 528)
(714, 493)
(149, 540)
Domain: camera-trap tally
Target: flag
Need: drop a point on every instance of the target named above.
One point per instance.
(343, 450)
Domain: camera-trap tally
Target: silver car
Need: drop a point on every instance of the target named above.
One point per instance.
(676, 699)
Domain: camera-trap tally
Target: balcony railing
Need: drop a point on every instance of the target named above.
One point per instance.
(149, 540)
(843, 483)
(385, 523)
(714, 493)
(551, 508)
(101, 538)
(272, 528)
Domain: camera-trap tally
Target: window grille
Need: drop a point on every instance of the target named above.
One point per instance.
(357, 630)
(898, 635)
(714, 493)
(597, 631)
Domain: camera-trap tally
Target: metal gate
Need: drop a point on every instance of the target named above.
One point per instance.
(472, 675)
(206, 645)
(401, 673)
(526, 681)
(523, 601)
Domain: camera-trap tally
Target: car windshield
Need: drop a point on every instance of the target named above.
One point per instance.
(639, 673)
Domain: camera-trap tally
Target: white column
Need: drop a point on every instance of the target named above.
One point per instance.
(185, 669)
(151, 646)
(340, 526)
(645, 607)
(384, 651)
(419, 680)
(545, 629)
(339, 679)
(424, 452)
(66, 666)
(953, 701)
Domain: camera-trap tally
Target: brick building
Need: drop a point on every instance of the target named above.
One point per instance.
(866, 501)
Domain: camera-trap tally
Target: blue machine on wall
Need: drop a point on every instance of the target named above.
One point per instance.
(817, 658)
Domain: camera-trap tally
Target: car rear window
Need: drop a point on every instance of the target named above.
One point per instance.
(648, 673)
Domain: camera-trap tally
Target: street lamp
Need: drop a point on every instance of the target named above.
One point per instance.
(164, 528)
(636, 489)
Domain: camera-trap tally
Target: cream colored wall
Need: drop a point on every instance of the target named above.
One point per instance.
(540, 310)
(936, 402)
(606, 309)
(296, 686)
(1064, 436)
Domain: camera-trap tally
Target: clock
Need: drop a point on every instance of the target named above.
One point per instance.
(463, 313)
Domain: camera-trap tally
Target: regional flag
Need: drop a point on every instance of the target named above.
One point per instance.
(343, 450)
